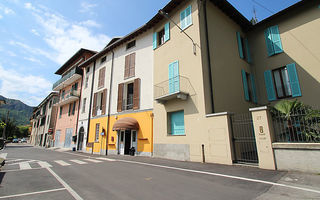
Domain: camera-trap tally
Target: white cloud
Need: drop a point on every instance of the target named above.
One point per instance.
(33, 50)
(87, 7)
(35, 32)
(28, 88)
(90, 23)
(6, 11)
(66, 37)
(32, 59)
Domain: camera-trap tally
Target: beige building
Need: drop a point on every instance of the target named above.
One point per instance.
(210, 61)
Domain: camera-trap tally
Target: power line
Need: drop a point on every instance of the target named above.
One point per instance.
(259, 4)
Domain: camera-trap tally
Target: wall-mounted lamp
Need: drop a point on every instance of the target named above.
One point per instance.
(161, 12)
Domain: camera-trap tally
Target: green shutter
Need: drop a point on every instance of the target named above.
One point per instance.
(166, 32)
(188, 16)
(269, 44)
(246, 43)
(269, 85)
(154, 40)
(276, 40)
(253, 86)
(183, 19)
(293, 79)
(239, 45)
(177, 123)
(245, 85)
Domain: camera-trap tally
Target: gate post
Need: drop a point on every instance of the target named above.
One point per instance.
(263, 130)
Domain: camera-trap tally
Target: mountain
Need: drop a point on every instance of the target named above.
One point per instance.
(19, 111)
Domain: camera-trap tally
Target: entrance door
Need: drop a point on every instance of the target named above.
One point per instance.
(121, 143)
(244, 141)
(80, 139)
(127, 142)
(68, 138)
(57, 139)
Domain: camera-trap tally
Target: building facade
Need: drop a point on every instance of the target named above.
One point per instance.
(69, 88)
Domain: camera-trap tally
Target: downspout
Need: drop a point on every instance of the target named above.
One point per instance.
(208, 54)
(109, 102)
(88, 128)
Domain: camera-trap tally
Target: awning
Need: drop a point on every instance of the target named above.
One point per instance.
(125, 124)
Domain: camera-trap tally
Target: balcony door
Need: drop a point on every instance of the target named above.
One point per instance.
(174, 83)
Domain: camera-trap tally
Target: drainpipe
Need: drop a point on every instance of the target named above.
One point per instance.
(88, 128)
(109, 103)
(208, 53)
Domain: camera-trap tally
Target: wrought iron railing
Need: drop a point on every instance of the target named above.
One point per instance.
(174, 85)
(301, 125)
(127, 104)
(75, 70)
(70, 93)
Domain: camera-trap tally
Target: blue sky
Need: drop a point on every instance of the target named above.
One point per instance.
(37, 37)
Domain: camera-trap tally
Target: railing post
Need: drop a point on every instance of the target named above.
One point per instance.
(263, 131)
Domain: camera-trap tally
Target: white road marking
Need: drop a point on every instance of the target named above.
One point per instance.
(70, 190)
(44, 164)
(15, 160)
(3, 155)
(31, 193)
(102, 158)
(92, 160)
(27, 161)
(24, 165)
(61, 162)
(224, 175)
(15, 170)
(79, 162)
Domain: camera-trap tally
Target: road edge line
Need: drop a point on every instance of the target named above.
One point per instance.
(31, 193)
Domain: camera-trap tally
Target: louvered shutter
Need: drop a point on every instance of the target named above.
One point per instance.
(120, 97)
(94, 108)
(246, 43)
(253, 86)
(136, 94)
(276, 40)
(126, 66)
(245, 85)
(293, 79)
(104, 102)
(166, 32)
(103, 73)
(132, 64)
(182, 19)
(188, 16)
(239, 45)
(154, 43)
(269, 85)
(269, 44)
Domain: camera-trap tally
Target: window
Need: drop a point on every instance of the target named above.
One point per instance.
(75, 87)
(88, 69)
(99, 103)
(243, 47)
(101, 77)
(62, 94)
(84, 105)
(176, 123)
(249, 87)
(129, 68)
(162, 36)
(87, 82)
(186, 18)
(273, 40)
(129, 96)
(103, 59)
(282, 82)
(60, 113)
(74, 108)
(43, 121)
(97, 132)
(131, 44)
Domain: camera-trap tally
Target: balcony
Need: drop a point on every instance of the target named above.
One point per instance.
(68, 97)
(68, 79)
(178, 87)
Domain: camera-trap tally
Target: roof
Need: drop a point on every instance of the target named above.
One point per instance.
(224, 5)
(113, 40)
(67, 64)
(46, 99)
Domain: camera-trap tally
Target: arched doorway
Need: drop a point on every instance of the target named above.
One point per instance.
(80, 139)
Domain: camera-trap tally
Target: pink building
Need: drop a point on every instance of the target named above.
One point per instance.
(69, 88)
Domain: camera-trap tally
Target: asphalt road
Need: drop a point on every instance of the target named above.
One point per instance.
(35, 173)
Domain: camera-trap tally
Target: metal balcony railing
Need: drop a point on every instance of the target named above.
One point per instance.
(70, 93)
(127, 104)
(174, 86)
(72, 72)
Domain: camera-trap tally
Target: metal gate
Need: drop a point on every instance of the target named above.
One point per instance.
(244, 142)
(68, 138)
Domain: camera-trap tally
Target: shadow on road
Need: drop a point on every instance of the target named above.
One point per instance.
(1, 176)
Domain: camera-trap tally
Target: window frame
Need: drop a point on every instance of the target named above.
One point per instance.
(97, 134)
(169, 123)
(161, 37)
(282, 83)
(125, 96)
(131, 42)
(185, 18)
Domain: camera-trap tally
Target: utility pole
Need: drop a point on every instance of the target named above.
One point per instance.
(5, 126)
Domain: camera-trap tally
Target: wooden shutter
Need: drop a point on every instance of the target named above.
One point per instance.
(101, 77)
(120, 97)
(269, 44)
(166, 32)
(269, 85)
(104, 98)
(94, 109)
(240, 45)
(154, 43)
(126, 66)
(294, 80)
(276, 40)
(136, 94)
(245, 85)
(132, 64)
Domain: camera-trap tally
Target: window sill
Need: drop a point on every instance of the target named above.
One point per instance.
(186, 27)
(175, 135)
